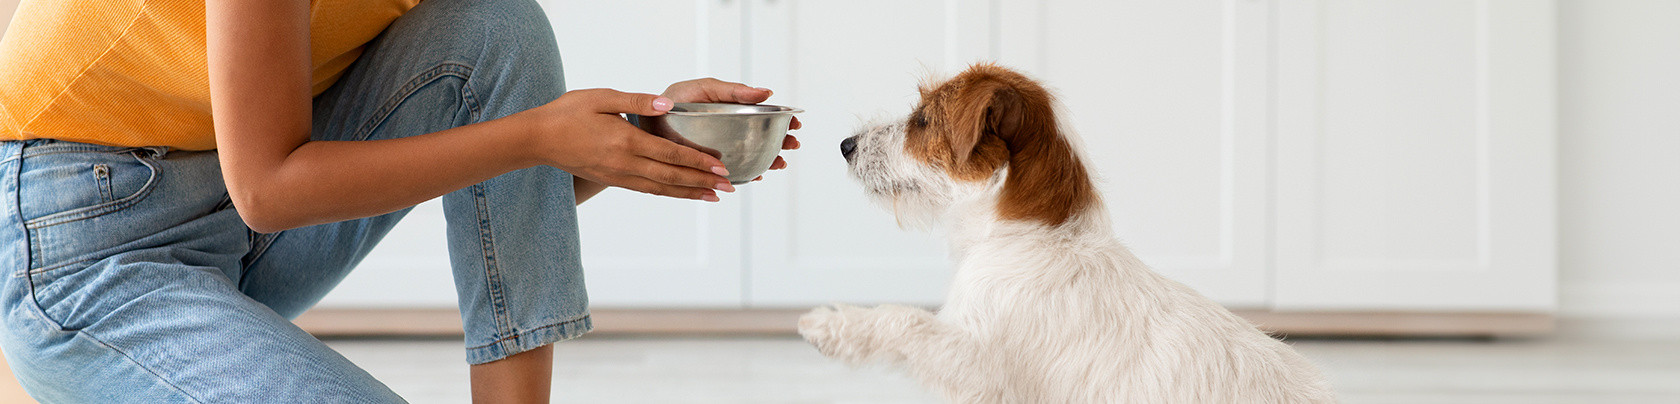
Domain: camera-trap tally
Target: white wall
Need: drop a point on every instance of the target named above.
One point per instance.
(1619, 150)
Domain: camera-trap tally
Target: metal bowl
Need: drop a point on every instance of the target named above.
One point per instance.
(746, 138)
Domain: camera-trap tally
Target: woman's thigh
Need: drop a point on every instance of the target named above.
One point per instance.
(163, 331)
(121, 268)
(445, 63)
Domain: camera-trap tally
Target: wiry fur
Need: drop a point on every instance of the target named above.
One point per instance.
(1044, 307)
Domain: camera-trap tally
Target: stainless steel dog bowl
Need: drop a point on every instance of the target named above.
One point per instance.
(746, 138)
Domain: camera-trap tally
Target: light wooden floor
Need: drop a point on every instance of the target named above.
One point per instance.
(785, 370)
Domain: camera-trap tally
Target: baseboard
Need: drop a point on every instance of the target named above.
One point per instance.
(1598, 299)
(1657, 328)
(341, 322)
(1503, 324)
(447, 322)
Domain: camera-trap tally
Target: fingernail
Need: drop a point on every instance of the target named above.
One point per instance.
(725, 187)
(764, 90)
(709, 198)
(719, 170)
(662, 104)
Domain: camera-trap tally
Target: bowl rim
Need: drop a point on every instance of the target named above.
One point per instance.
(780, 109)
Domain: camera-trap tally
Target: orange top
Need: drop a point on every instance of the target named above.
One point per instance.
(132, 72)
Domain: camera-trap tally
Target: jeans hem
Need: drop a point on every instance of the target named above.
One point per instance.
(529, 339)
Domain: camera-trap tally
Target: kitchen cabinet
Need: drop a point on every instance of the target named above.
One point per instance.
(1170, 99)
(638, 251)
(814, 238)
(642, 251)
(1290, 155)
(1415, 156)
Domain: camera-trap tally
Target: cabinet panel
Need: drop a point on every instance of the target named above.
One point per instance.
(638, 250)
(409, 268)
(1415, 155)
(1170, 99)
(814, 237)
(641, 250)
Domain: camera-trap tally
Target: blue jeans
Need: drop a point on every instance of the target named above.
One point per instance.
(131, 277)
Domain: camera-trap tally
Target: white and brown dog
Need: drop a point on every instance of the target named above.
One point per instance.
(1046, 305)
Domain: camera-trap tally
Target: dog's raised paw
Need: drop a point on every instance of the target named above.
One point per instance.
(815, 319)
(819, 326)
(825, 328)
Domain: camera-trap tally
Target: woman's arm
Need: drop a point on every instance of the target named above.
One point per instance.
(260, 91)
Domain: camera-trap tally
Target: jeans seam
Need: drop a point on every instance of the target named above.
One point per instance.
(492, 275)
(43, 270)
(137, 364)
(259, 249)
(518, 333)
(15, 176)
(469, 97)
(447, 69)
(57, 149)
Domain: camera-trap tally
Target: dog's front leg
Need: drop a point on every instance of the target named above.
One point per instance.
(939, 353)
(943, 356)
(900, 335)
(857, 335)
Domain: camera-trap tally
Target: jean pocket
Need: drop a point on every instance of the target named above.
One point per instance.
(58, 188)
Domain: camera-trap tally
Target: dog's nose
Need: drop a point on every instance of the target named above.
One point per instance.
(848, 146)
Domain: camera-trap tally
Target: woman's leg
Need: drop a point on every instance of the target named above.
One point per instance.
(512, 239)
(120, 270)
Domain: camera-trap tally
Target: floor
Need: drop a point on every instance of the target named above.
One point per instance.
(785, 370)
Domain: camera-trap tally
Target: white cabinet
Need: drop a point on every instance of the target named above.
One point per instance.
(1287, 154)
(1415, 156)
(813, 237)
(641, 251)
(1171, 101)
(638, 251)
(409, 268)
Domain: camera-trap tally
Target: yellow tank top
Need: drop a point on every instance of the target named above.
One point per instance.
(132, 72)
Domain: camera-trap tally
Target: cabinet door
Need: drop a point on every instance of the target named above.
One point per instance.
(642, 250)
(409, 268)
(814, 237)
(1170, 99)
(1415, 155)
(638, 250)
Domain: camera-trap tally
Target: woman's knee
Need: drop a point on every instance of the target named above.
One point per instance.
(507, 42)
(507, 25)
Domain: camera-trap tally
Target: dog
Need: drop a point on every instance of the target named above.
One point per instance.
(1046, 305)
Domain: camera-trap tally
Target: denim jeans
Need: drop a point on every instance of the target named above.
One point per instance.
(131, 277)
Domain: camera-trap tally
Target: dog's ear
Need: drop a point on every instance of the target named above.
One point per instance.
(1046, 181)
(980, 112)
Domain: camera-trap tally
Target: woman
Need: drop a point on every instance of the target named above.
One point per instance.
(157, 254)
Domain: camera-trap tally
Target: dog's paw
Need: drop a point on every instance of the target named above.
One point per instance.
(819, 327)
(826, 329)
(815, 321)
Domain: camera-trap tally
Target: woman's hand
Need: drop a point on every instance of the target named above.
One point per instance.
(582, 133)
(714, 90)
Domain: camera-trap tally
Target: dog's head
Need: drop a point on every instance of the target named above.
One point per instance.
(989, 132)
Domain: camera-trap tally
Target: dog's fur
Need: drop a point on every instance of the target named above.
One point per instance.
(1046, 305)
